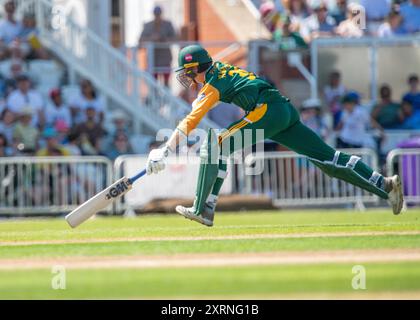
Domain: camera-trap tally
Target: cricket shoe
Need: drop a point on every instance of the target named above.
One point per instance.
(396, 198)
(205, 217)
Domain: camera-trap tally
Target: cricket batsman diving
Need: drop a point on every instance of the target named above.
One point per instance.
(265, 109)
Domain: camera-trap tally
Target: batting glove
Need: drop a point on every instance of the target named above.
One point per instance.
(157, 160)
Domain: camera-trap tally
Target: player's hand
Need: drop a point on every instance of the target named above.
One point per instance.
(157, 160)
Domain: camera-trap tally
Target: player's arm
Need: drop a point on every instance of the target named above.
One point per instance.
(206, 100)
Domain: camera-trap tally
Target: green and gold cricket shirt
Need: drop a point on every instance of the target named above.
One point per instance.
(228, 84)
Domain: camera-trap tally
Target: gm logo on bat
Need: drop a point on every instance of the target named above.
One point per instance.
(118, 190)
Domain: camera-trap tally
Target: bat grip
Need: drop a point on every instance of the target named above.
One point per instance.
(137, 177)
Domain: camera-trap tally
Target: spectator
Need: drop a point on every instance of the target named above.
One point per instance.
(297, 10)
(91, 132)
(351, 27)
(413, 96)
(286, 38)
(411, 104)
(410, 12)
(120, 146)
(354, 125)
(10, 30)
(160, 31)
(376, 12)
(7, 124)
(16, 70)
(53, 180)
(30, 38)
(333, 94)
(120, 124)
(5, 150)
(52, 148)
(87, 97)
(392, 26)
(57, 112)
(340, 12)
(269, 15)
(312, 118)
(24, 97)
(319, 24)
(72, 144)
(25, 135)
(388, 113)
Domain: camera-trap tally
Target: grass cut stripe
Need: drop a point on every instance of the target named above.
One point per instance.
(253, 282)
(209, 246)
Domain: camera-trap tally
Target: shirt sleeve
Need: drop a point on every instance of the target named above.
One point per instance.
(208, 98)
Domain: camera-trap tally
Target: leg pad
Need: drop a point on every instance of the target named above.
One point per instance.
(344, 168)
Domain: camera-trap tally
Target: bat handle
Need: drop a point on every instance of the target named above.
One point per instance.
(137, 177)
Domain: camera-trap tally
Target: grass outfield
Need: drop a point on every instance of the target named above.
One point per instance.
(284, 254)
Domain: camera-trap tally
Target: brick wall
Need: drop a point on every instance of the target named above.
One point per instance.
(212, 28)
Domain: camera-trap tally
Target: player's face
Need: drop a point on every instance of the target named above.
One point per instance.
(188, 77)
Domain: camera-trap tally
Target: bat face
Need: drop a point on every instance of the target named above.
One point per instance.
(99, 202)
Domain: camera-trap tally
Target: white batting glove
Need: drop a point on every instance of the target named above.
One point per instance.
(157, 160)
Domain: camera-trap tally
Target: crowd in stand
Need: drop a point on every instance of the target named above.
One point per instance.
(32, 123)
(295, 23)
(35, 124)
(359, 125)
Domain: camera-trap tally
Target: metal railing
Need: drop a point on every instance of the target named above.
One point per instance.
(291, 179)
(406, 163)
(148, 102)
(48, 185)
(57, 185)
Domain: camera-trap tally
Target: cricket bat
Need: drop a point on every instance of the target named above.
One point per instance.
(102, 200)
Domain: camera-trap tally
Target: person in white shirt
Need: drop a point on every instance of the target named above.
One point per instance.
(10, 30)
(355, 124)
(26, 97)
(57, 112)
(319, 24)
(392, 26)
(351, 27)
(87, 97)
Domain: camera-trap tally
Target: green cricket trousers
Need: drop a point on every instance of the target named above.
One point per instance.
(279, 121)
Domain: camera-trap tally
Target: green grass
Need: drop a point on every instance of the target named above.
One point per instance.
(226, 224)
(232, 282)
(227, 282)
(213, 246)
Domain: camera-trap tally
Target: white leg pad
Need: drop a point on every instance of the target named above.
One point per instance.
(336, 157)
(375, 178)
(222, 174)
(352, 162)
(212, 199)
